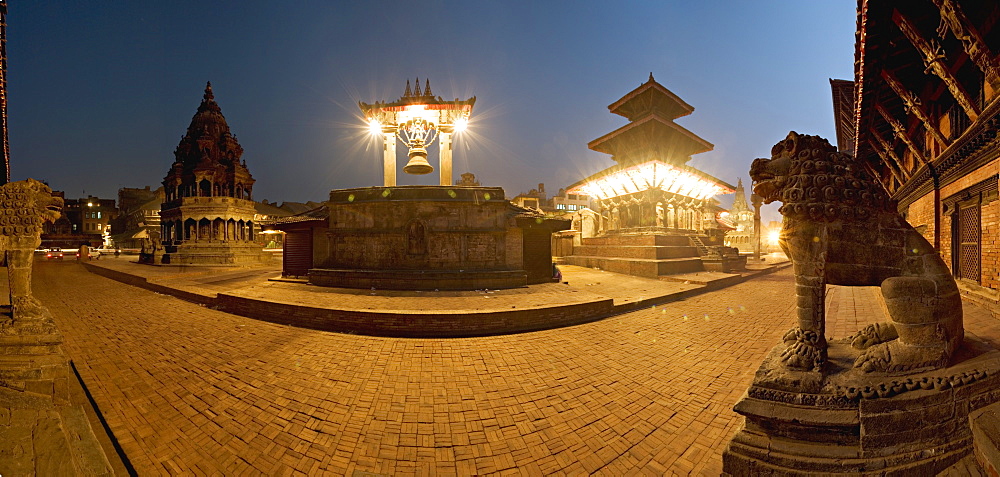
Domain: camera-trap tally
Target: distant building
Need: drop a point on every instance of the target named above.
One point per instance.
(138, 216)
(468, 179)
(83, 221)
(207, 216)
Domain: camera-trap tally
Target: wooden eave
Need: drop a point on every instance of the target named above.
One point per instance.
(652, 135)
(651, 97)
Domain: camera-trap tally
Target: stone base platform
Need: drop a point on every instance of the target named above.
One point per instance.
(849, 422)
(419, 279)
(219, 253)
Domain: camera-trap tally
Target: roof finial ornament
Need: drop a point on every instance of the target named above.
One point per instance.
(427, 88)
(416, 88)
(407, 93)
(208, 92)
(650, 76)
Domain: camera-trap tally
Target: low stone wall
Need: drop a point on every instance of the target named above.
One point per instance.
(413, 325)
(419, 279)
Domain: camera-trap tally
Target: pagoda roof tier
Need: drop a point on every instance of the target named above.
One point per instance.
(681, 180)
(651, 137)
(651, 98)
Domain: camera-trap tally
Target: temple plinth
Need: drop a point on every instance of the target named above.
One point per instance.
(656, 211)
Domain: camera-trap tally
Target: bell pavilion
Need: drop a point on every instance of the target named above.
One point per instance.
(207, 216)
(657, 212)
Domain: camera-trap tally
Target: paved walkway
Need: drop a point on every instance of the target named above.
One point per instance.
(187, 389)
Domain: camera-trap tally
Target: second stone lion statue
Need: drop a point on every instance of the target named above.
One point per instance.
(24, 207)
(841, 228)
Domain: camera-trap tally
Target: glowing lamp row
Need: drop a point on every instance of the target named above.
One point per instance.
(418, 112)
(652, 175)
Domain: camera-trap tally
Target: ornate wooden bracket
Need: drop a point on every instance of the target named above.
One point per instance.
(914, 106)
(934, 60)
(900, 131)
(888, 155)
(972, 41)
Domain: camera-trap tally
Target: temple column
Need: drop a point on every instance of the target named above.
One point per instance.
(389, 157)
(444, 144)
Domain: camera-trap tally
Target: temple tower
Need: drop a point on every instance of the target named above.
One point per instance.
(741, 215)
(651, 199)
(207, 216)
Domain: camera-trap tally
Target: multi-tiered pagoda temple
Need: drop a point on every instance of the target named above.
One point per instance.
(207, 214)
(657, 214)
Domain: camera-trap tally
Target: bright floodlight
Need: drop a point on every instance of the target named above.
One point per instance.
(374, 126)
(461, 124)
(773, 236)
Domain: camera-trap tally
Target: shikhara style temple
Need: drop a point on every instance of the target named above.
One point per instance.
(207, 216)
(743, 237)
(651, 199)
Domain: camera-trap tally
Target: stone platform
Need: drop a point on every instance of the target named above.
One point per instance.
(258, 292)
(848, 422)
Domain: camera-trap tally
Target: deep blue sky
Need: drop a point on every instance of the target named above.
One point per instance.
(101, 92)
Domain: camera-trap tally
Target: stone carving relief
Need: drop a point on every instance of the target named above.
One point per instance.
(24, 207)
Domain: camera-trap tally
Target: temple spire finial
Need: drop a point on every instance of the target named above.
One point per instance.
(407, 93)
(427, 88)
(416, 88)
(651, 77)
(209, 96)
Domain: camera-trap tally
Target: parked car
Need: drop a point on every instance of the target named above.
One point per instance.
(54, 253)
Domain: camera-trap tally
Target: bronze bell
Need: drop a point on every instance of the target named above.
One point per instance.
(418, 162)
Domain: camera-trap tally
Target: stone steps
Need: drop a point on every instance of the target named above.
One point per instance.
(648, 252)
(650, 268)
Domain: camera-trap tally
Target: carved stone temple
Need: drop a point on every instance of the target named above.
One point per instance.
(743, 237)
(406, 237)
(207, 216)
(656, 212)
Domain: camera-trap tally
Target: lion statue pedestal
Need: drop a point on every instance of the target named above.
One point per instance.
(894, 398)
(35, 376)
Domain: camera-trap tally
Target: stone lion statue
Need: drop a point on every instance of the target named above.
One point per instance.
(841, 228)
(24, 207)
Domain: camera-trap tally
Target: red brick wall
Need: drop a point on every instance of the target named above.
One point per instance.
(991, 245)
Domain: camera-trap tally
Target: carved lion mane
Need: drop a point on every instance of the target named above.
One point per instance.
(24, 207)
(816, 182)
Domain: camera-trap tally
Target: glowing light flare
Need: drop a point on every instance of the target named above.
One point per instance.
(374, 126)
(417, 112)
(461, 124)
(772, 237)
(651, 175)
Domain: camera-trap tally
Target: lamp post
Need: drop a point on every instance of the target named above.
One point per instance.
(756, 200)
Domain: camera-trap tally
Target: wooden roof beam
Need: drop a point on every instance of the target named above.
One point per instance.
(900, 131)
(972, 41)
(886, 152)
(934, 61)
(913, 105)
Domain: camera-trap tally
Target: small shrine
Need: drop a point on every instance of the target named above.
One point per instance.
(407, 237)
(651, 199)
(207, 216)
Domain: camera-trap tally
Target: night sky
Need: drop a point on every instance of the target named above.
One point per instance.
(100, 93)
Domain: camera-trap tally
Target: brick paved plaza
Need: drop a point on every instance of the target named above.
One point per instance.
(187, 389)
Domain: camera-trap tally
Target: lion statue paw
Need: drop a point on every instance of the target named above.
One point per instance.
(803, 350)
(896, 356)
(874, 334)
